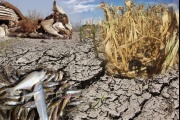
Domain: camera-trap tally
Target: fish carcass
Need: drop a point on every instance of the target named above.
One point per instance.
(39, 99)
(29, 81)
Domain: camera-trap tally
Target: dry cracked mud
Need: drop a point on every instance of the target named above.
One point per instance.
(105, 97)
(131, 99)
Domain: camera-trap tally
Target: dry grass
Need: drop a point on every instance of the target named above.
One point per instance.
(34, 15)
(139, 40)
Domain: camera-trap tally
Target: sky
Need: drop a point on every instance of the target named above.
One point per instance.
(78, 11)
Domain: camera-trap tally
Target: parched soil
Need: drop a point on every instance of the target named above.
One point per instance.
(104, 97)
(131, 99)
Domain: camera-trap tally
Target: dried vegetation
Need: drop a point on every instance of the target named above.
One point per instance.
(139, 39)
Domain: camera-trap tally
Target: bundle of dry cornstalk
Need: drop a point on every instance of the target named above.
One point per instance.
(139, 39)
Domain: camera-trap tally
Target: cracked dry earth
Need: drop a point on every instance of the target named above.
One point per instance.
(105, 97)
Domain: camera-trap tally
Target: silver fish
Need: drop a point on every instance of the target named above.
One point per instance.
(73, 91)
(40, 101)
(65, 101)
(51, 84)
(50, 77)
(13, 97)
(51, 112)
(30, 80)
(55, 102)
(56, 77)
(12, 103)
(3, 89)
(55, 113)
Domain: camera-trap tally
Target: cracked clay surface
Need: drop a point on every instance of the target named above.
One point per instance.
(131, 99)
(105, 97)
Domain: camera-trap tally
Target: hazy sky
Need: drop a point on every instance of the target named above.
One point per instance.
(77, 10)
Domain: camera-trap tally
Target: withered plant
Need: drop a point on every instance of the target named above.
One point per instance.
(139, 39)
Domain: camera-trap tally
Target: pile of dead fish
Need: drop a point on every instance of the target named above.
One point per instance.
(41, 94)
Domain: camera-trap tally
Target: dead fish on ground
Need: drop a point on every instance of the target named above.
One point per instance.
(12, 103)
(50, 77)
(56, 77)
(64, 103)
(39, 98)
(73, 91)
(29, 81)
(51, 84)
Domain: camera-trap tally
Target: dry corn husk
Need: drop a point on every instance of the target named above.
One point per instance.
(146, 35)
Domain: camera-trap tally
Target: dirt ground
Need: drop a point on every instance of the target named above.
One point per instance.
(104, 97)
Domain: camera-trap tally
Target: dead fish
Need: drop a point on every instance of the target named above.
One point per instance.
(54, 109)
(50, 77)
(40, 103)
(51, 84)
(31, 114)
(73, 91)
(10, 99)
(51, 113)
(20, 112)
(12, 103)
(29, 81)
(49, 89)
(64, 81)
(3, 95)
(13, 97)
(54, 102)
(56, 77)
(65, 101)
(14, 113)
(55, 112)
(3, 89)
(64, 86)
(50, 93)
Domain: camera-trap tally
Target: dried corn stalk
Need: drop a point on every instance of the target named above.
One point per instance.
(141, 41)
